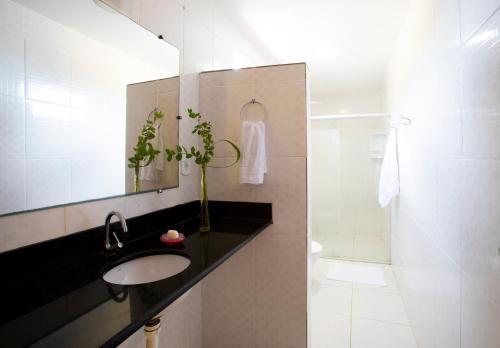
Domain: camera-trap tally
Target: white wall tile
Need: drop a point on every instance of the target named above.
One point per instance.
(12, 49)
(480, 92)
(12, 127)
(48, 183)
(479, 318)
(48, 131)
(444, 224)
(474, 14)
(12, 186)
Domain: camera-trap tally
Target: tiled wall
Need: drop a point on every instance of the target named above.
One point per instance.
(187, 26)
(206, 40)
(258, 297)
(446, 224)
(53, 94)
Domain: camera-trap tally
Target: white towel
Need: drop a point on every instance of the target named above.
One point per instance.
(253, 153)
(150, 172)
(389, 175)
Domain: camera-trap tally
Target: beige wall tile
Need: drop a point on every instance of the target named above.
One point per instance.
(229, 302)
(278, 73)
(271, 311)
(284, 112)
(227, 78)
(24, 229)
(83, 216)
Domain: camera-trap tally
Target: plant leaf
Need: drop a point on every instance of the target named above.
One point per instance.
(236, 149)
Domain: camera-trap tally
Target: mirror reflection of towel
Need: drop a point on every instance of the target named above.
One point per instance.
(389, 175)
(253, 153)
(153, 170)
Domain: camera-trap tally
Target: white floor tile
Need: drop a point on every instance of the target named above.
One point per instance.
(330, 330)
(332, 299)
(378, 306)
(391, 286)
(375, 334)
(377, 312)
(357, 273)
(320, 271)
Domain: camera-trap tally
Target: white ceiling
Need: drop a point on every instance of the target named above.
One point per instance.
(346, 43)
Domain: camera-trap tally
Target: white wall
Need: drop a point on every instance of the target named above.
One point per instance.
(62, 92)
(348, 102)
(446, 225)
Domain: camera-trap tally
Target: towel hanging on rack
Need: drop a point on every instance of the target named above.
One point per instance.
(253, 164)
(389, 175)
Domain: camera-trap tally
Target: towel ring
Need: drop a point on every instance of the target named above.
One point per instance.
(247, 104)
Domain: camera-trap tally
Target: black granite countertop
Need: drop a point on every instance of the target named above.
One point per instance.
(52, 293)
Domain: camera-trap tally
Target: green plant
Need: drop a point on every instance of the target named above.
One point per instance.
(202, 158)
(144, 151)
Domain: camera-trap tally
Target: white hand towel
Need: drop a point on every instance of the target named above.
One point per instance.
(150, 172)
(253, 153)
(389, 175)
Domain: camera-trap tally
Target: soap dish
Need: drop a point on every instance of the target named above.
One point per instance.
(172, 241)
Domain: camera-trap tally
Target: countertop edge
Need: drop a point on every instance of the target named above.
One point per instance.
(122, 335)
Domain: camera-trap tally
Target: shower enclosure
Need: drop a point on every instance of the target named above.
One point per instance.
(347, 153)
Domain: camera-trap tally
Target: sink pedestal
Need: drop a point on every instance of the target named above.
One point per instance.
(152, 333)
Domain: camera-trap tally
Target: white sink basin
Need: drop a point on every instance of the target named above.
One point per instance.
(147, 269)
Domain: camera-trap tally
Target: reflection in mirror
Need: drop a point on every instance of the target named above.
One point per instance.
(70, 72)
(152, 106)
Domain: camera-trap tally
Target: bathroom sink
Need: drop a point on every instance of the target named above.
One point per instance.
(147, 269)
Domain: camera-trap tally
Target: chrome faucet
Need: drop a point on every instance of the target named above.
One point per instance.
(119, 244)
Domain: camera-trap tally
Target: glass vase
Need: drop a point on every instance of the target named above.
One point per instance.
(137, 183)
(204, 217)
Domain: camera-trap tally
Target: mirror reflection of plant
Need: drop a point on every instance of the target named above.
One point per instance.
(144, 151)
(202, 157)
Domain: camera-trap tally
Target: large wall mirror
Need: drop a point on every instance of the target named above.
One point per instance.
(78, 84)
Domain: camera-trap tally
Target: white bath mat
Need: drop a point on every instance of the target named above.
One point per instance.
(357, 273)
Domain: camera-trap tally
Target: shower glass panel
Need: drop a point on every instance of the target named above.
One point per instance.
(347, 154)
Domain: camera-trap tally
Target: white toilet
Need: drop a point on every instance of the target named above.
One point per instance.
(316, 250)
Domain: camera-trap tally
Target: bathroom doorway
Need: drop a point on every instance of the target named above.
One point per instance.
(346, 154)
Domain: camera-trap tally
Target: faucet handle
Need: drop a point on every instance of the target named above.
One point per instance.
(118, 243)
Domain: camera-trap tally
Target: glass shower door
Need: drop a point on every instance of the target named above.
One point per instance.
(347, 154)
